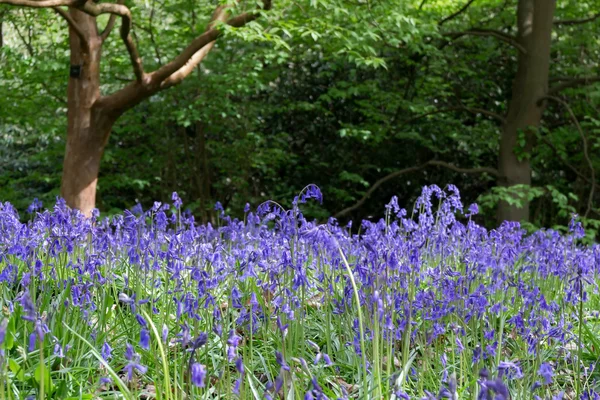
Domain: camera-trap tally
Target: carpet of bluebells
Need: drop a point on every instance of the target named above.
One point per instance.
(423, 304)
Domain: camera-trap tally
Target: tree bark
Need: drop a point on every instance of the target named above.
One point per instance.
(88, 125)
(204, 183)
(534, 19)
(91, 116)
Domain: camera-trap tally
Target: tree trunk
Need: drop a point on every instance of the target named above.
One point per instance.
(88, 125)
(204, 173)
(534, 19)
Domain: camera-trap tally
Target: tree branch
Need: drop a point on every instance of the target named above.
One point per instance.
(563, 160)
(457, 13)
(506, 38)
(574, 82)
(110, 25)
(219, 15)
(125, 14)
(568, 22)
(127, 97)
(377, 184)
(95, 9)
(39, 4)
(478, 170)
(475, 110)
(31, 53)
(197, 44)
(72, 24)
(471, 110)
(586, 154)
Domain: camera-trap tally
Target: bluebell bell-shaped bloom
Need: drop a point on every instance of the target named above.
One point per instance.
(144, 339)
(281, 361)
(198, 374)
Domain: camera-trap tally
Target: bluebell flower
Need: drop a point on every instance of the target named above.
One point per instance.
(165, 333)
(144, 339)
(34, 206)
(546, 372)
(106, 351)
(3, 328)
(141, 320)
(32, 341)
(239, 365)
(281, 361)
(176, 200)
(198, 373)
(133, 363)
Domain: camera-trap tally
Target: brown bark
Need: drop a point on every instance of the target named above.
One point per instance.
(91, 116)
(534, 19)
(88, 125)
(203, 170)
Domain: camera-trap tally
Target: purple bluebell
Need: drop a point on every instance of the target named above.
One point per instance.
(144, 339)
(3, 329)
(106, 351)
(281, 361)
(546, 372)
(198, 374)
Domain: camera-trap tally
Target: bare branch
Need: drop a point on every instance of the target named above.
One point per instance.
(125, 14)
(506, 38)
(31, 53)
(197, 44)
(471, 110)
(110, 25)
(568, 22)
(40, 4)
(151, 29)
(475, 110)
(94, 9)
(377, 184)
(574, 82)
(563, 160)
(219, 15)
(132, 94)
(72, 24)
(478, 170)
(586, 154)
(457, 13)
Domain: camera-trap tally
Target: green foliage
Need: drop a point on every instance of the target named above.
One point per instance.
(333, 92)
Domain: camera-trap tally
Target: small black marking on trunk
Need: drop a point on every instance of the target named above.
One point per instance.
(75, 71)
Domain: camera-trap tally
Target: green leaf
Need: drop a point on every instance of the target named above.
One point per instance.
(16, 369)
(9, 340)
(43, 372)
(122, 386)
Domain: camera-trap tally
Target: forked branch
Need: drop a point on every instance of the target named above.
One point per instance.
(574, 82)
(125, 14)
(219, 15)
(209, 36)
(568, 22)
(72, 24)
(94, 9)
(457, 13)
(504, 37)
(181, 66)
(110, 24)
(393, 175)
(586, 154)
(472, 110)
